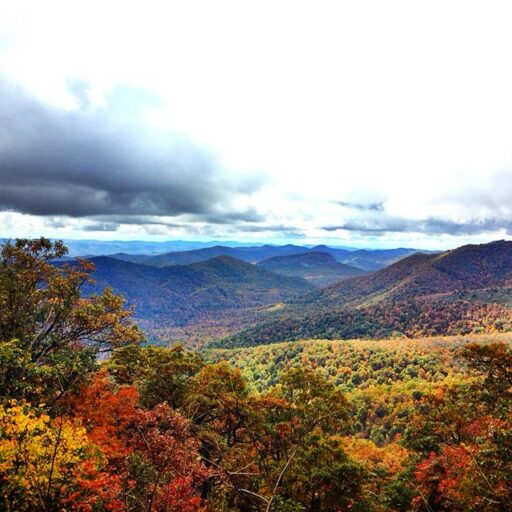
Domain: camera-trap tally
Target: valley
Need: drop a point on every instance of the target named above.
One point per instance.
(228, 302)
(455, 292)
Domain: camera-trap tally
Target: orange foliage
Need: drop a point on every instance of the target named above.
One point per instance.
(106, 412)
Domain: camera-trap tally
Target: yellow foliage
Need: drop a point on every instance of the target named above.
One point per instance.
(391, 458)
(39, 457)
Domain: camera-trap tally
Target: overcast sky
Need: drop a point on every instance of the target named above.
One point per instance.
(364, 123)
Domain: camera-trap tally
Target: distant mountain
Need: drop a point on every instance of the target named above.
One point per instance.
(318, 268)
(184, 252)
(361, 258)
(109, 247)
(249, 254)
(455, 292)
(132, 258)
(178, 295)
(365, 259)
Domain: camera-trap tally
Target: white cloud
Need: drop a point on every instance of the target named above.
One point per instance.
(398, 102)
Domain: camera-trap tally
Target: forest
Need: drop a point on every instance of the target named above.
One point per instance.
(457, 292)
(93, 418)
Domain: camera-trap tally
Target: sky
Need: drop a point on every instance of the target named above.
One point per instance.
(368, 123)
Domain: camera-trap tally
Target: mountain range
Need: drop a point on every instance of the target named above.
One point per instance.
(301, 293)
(367, 260)
(206, 297)
(454, 292)
(181, 292)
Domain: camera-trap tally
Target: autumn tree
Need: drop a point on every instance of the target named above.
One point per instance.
(50, 334)
(42, 460)
(275, 451)
(151, 460)
(494, 362)
(465, 435)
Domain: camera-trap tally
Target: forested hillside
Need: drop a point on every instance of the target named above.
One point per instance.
(467, 268)
(208, 293)
(455, 292)
(354, 364)
(318, 268)
(214, 294)
(91, 420)
(383, 379)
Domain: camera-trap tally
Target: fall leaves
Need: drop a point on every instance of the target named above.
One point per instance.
(317, 426)
(41, 459)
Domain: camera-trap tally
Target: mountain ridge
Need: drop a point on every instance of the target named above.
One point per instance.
(317, 267)
(183, 294)
(360, 258)
(421, 294)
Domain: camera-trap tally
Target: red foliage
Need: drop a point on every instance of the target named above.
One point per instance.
(179, 495)
(160, 438)
(441, 476)
(95, 487)
(106, 412)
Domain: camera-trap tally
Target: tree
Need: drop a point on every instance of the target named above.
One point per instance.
(167, 376)
(107, 411)
(49, 334)
(275, 451)
(41, 460)
(465, 435)
(165, 463)
(494, 362)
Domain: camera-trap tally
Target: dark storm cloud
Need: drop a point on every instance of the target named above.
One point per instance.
(223, 218)
(430, 226)
(106, 161)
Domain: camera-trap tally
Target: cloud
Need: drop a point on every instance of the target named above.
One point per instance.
(249, 215)
(105, 166)
(108, 161)
(489, 195)
(101, 226)
(377, 206)
(284, 230)
(430, 226)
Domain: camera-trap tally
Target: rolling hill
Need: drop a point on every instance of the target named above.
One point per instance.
(316, 267)
(455, 292)
(184, 294)
(249, 254)
(365, 259)
(466, 268)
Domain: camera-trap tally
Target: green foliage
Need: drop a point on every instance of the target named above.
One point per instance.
(23, 378)
(350, 364)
